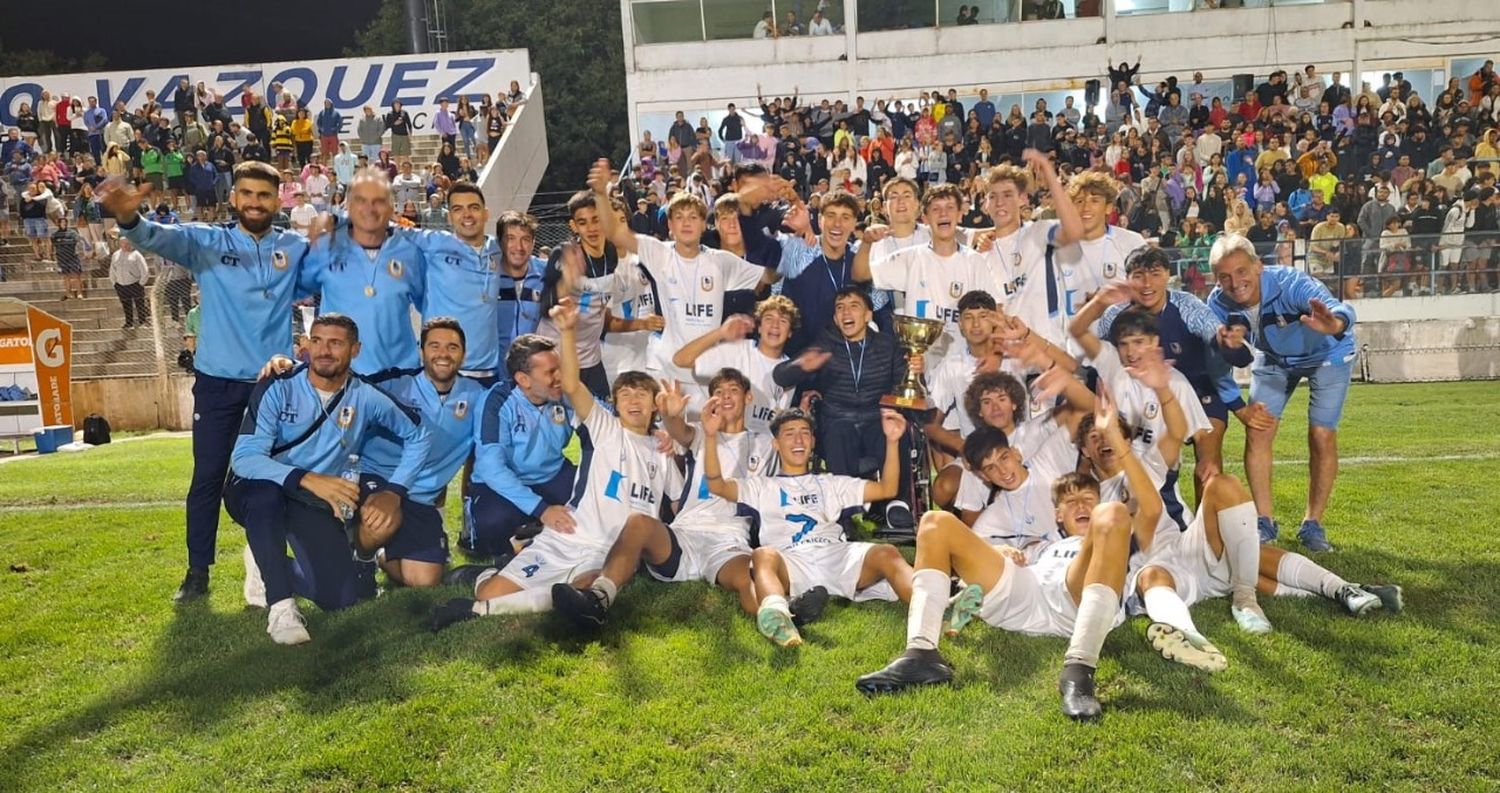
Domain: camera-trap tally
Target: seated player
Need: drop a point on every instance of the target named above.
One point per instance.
(297, 479)
(520, 476)
(1019, 512)
(623, 474)
(802, 545)
(447, 403)
(1200, 347)
(852, 365)
(947, 426)
(708, 539)
(725, 347)
(1074, 588)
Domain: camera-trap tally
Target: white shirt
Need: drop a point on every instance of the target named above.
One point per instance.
(1023, 518)
(762, 30)
(126, 268)
(302, 217)
(1017, 264)
(766, 398)
(690, 292)
(801, 510)
(932, 285)
(1046, 449)
(740, 454)
(1142, 410)
(622, 474)
(820, 27)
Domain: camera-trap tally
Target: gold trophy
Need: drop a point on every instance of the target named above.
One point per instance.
(916, 335)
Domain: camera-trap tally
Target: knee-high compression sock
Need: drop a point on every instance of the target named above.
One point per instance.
(1242, 550)
(1303, 573)
(1097, 609)
(1163, 604)
(527, 601)
(924, 617)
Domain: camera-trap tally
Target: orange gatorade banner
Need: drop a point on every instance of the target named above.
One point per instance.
(15, 347)
(52, 353)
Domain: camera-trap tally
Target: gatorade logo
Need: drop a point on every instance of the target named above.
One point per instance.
(51, 353)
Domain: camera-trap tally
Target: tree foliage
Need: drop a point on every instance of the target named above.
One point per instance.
(575, 46)
(21, 63)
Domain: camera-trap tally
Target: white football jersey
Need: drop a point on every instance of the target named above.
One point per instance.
(947, 384)
(1046, 449)
(766, 398)
(620, 474)
(885, 247)
(1017, 264)
(1022, 518)
(740, 454)
(631, 298)
(1087, 266)
(1140, 407)
(801, 509)
(1117, 488)
(690, 294)
(932, 285)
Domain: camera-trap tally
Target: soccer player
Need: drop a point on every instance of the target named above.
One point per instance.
(597, 258)
(1073, 589)
(247, 276)
(688, 281)
(802, 545)
(371, 276)
(520, 475)
(933, 276)
(1020, 255)
(299, 475)
(623, 475)
(708, 539)
(448, 404)
(1097, 258)
(1195, 341)
(521, 275)
(1303, 332)
(725, 347)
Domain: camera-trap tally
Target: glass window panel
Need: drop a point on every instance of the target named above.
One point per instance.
(663, 22)
(735, 19)
(895, 14)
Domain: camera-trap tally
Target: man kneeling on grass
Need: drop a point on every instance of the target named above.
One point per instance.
(1073, 588)
(622, 479)
(802, 546)
(297, 478)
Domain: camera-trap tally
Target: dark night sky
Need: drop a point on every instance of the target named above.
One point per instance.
(148, 34)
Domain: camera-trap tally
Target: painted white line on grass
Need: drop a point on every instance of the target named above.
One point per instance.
(90, 505)
(1398, 458)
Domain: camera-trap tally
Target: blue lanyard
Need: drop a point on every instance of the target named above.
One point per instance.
(857, 373)
(843, 272)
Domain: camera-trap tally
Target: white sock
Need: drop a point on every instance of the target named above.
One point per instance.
(1286, 591)
(527, 601)
(1303, 573)
(1096, 617)
(777, 603)
(924, 617)
(606, 589)
(1242, 551)
(1163, 604)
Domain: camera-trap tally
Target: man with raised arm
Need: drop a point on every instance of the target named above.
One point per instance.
(247, 276)
(1302, 332)
(802, 545)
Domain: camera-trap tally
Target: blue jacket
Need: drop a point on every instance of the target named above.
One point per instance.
(375, 294)
(449, 419)
(329, 121)
(464, 283)
(519, 306)
(282, 408)
(246, 286)
(1284, 297)
(520, 444)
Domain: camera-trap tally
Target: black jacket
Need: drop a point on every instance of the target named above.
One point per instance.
(881, 366)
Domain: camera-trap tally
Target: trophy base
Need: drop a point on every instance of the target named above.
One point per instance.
(918, 402)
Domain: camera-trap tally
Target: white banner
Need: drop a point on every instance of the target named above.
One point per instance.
(418, 81)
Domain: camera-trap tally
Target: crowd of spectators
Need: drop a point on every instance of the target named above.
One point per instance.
(186, 144)
(1371, 189)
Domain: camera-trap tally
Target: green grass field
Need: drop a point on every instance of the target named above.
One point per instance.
(105, 685)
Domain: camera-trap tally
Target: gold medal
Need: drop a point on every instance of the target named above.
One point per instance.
(369, 291)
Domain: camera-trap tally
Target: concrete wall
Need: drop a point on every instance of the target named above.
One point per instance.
(144, 403)
(1337, 36)
(509, 180)
(1430, 349)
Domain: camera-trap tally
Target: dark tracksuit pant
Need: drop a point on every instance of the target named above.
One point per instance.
(491, 519)
(218, 408)
(322, 569)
